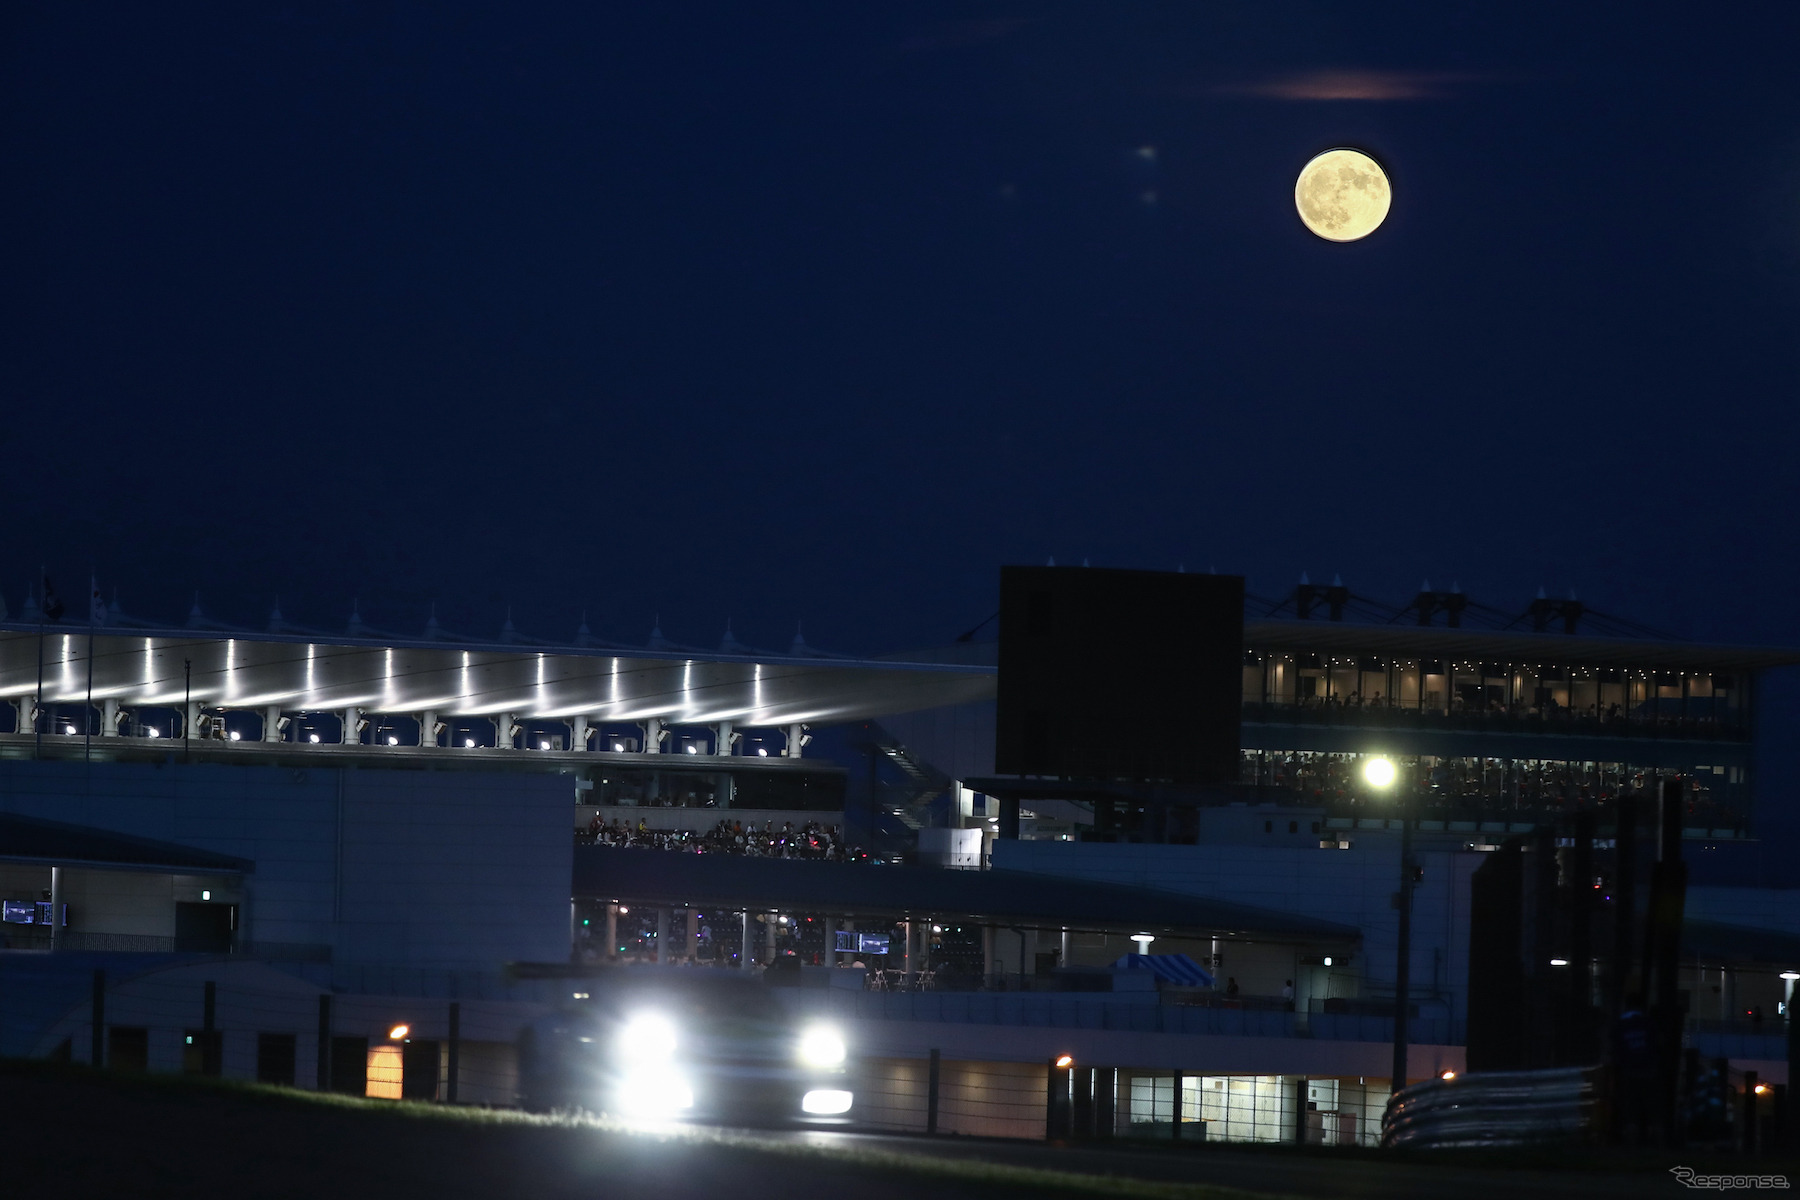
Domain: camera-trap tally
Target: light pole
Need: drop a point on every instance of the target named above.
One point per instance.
(1381, 775)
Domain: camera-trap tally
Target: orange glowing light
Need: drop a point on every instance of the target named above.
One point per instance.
(399, 1032)
(1064, 1062)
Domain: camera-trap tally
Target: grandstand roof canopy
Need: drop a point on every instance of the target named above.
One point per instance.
(253, 671)
(231, 669)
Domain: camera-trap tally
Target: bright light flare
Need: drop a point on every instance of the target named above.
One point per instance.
(647, 1038)
(398, 1033)
(826, 1102)
(652, 1094)
(1447, 1076)
(821, 1047)
(1064, 1061)
(1379, 772)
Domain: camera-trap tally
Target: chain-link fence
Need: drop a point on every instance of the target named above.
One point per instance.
(245, 1021)
(249, 1021)
(936, 1095)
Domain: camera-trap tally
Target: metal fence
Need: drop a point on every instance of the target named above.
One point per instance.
(1496, 1108)
(245, 1021)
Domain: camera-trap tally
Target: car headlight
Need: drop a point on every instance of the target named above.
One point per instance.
(647, 1038)
(652, 1094)
(821, 1047)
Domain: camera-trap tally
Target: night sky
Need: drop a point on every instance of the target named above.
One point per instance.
(824, 314)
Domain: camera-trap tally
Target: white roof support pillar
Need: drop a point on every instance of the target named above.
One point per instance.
(428, 727)
(272, 723)
(655, 734)
(353, 719)
(796, 740)
(724, 740)
(109, 717)
(506, 727)
(578, 732)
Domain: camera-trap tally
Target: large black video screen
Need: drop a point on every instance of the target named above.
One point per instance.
(1119, 675)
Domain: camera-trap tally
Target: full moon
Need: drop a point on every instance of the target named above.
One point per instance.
(1342, 195)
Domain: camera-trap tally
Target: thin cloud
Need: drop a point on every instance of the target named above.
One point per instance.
(1354, 85)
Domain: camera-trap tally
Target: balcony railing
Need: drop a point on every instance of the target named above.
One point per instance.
(1561, 722)
(1124, 1012)
(73, 941)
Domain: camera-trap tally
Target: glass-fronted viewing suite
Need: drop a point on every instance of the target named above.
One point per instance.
(1537, 696)
(1479, 789)
(1509, 729)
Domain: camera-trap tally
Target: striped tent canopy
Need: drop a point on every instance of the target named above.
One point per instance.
(1177, 969)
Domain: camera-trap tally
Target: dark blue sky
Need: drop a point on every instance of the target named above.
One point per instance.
(821, 313)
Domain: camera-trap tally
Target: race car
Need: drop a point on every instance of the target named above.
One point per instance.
(679, 1044)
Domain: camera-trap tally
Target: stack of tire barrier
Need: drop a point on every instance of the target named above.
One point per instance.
(1496, 1108)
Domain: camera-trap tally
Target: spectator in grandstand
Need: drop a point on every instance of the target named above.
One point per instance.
(812, 840)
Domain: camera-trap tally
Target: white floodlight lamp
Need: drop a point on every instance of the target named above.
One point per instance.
(1379, 772)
